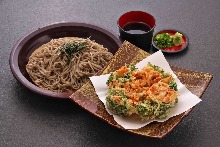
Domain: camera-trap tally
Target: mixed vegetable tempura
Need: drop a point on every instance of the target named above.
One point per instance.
(148, 92)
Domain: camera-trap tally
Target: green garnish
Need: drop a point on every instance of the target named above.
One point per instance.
(71, 48)
(177, 39)
(165, 40)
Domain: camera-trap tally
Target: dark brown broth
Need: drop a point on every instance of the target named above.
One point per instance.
(136, 27)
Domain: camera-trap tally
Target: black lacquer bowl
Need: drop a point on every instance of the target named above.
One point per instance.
(28, 44)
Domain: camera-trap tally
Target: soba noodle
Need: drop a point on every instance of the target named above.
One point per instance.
(50, 69)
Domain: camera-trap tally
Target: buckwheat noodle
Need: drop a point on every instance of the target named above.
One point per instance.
(51, 71)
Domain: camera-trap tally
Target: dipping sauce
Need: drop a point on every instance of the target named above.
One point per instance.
(136, 27)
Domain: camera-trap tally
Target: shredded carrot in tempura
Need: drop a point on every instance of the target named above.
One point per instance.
(134, 89)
